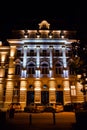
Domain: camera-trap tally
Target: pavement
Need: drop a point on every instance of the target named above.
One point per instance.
(40, 121)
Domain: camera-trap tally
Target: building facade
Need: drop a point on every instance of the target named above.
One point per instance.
(36, 67)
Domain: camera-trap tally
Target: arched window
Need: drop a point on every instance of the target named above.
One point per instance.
(17, 69)
(45, 86)
(31, 86)
(31, 68)
(17, 66)
(71, 65)
(45, 68)
(58, 68)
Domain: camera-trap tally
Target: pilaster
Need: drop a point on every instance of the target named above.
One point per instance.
(10, 77)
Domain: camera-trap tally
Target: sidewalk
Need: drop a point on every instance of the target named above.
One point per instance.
(41, 121)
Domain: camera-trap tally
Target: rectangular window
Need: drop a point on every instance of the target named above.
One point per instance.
(56, 52)
(31, 71)
(31, 52)
(59, 71)
(44, 52)
(45, 71)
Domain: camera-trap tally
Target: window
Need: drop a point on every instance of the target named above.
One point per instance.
(58, 69)
(31, 71)
(44, 86)
(45, 71)
(31, 52)
(44, 52)
(6, 72)
(71, 65)
(30, 86)
(44, 68)
(68, 53)
(18, 53)
(4, 91)
(56, 52)
(17, 70)
(59, 86)
(31, 68)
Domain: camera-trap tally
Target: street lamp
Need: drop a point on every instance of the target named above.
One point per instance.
(83, 80)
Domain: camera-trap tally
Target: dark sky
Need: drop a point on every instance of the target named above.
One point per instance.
(67, 15)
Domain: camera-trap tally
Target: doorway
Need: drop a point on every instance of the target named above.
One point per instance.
(30, 97)
(44, 97)
(59, 96)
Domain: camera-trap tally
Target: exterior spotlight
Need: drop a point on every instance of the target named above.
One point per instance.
(62, 34)
(38, 34)
(50, 34)
(26, 33)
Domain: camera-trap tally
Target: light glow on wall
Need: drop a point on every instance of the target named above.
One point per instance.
(2, 73)
(73, 90)
(37, 85)
(11, 71)
(23, 85)
(23, 73)
(65, 73)
(52, 83)
(24, 58)
(0, 43)
(22, 89)
(40, 40)
(38, 73)
(3, 55)
(10, 84)
(52, 89)
(37, 89)
(50, 72)
(66, 85)
(12, 51)
(66, 89)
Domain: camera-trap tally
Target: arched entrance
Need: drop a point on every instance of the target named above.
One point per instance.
(30, 95)
(44, 95)
(59, 96)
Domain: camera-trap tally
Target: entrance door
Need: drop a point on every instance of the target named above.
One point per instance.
(59, 96)
(30, 97)
(44, 97)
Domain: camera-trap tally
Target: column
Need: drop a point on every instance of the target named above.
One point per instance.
(51, 61)
(10, 79)
(37, 89)
(38, 62)
(11, 69)
(38, 57)
(2, 76)
(24, 72)
(65, 71)
(52, 90)
(25, 57)
(23, 92)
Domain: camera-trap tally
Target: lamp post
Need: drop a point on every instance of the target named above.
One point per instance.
(83, 80)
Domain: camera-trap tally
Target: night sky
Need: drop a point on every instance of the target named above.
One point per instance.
(61, 15)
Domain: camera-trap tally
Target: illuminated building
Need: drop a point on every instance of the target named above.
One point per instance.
(35, 67)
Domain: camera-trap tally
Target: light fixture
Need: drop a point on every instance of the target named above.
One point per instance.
(26, 33)
(50, 34)
(62, 34)
(38, 34)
